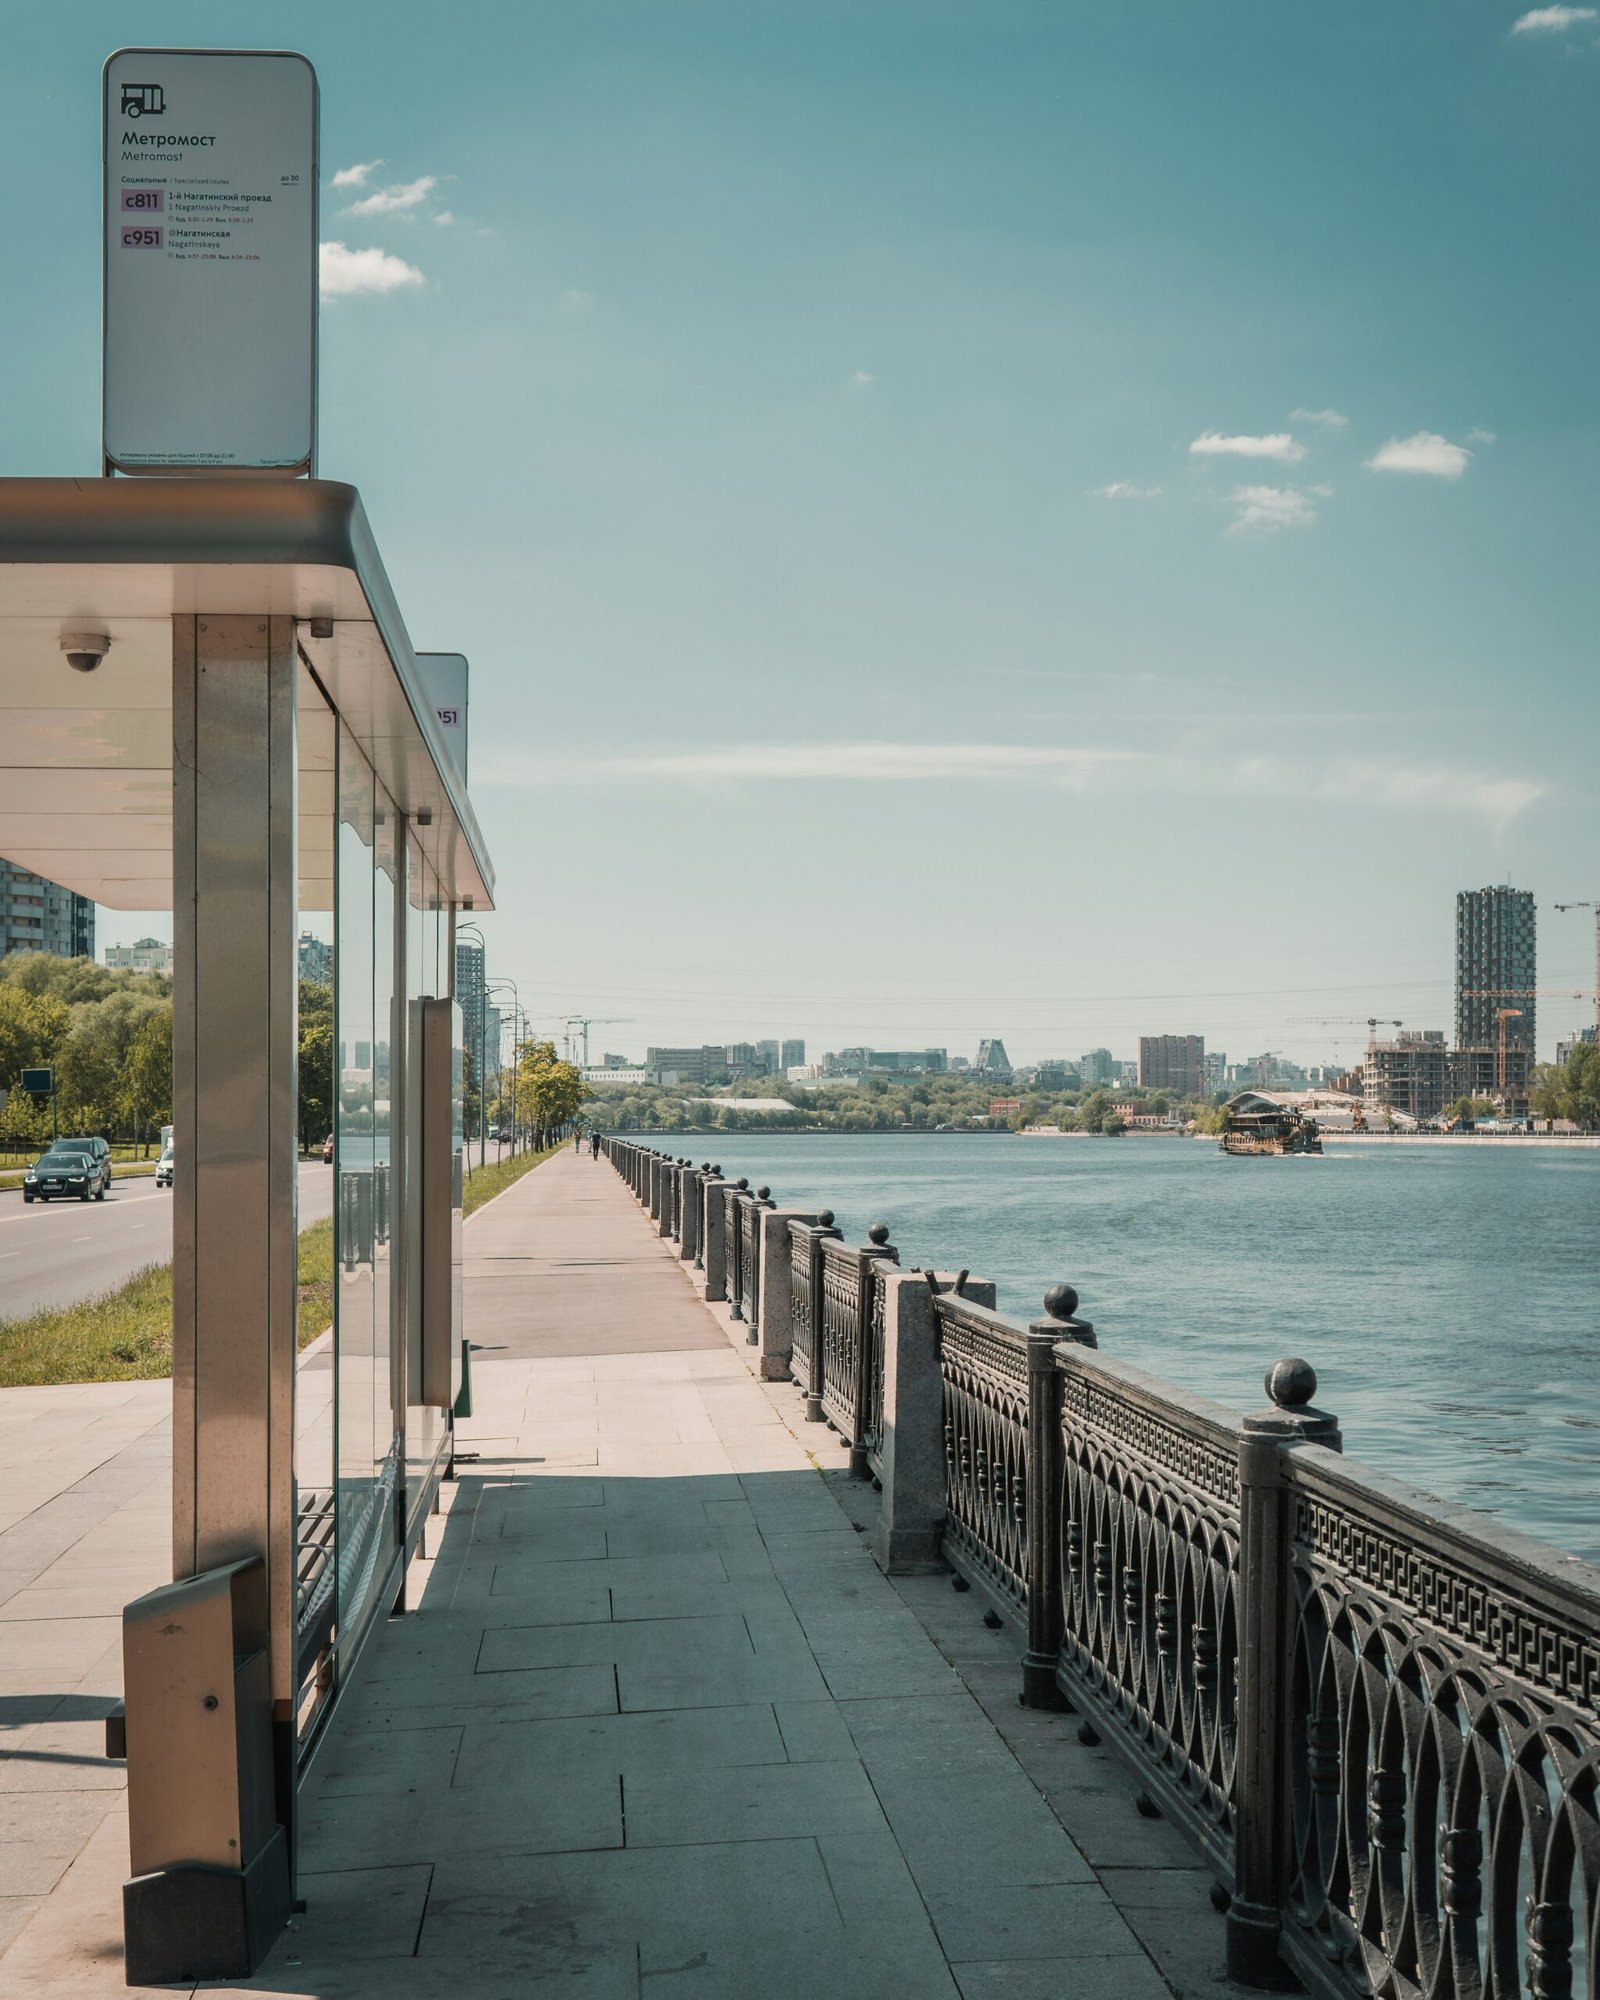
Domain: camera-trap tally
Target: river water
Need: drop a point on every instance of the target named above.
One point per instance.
(1448, 1297)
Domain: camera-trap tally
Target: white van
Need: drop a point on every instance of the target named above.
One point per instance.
(164, 1164)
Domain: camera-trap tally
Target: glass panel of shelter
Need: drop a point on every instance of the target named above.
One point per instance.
(315, 1485)
(356, 1334)
(426, 925)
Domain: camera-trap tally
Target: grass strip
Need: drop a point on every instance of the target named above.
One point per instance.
(484, 1183)
(125, 1335)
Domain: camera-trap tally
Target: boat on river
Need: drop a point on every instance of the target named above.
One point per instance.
(1257, 1123)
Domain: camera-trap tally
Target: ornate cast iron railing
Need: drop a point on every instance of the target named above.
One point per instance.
(750, 1210)
(805, 1308)
(846, 1332)
(733, 1250)
(841, 1335)
(1148, 1485)
(983, 1359)
(1445, 1723)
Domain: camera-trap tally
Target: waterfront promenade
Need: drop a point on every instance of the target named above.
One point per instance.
(658, 1725)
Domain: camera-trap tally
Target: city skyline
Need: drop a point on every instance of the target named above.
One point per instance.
(952, 470)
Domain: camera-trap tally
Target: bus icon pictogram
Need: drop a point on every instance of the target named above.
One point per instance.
(143, 100)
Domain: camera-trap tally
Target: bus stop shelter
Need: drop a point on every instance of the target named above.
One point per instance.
(209, 704)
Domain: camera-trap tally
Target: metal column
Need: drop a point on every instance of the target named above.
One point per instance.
(235, 1032)
(235, 1036)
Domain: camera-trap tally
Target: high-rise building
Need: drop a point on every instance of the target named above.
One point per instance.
(768, 1055)
(1496, 974)
(473, 993)
(1173, 1062)
(143, 955)
(794, 1053)
(992, 1058)
(316, 960)
(39, 915)
(1096, 1068)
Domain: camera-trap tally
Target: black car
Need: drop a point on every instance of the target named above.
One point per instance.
(79, 1167)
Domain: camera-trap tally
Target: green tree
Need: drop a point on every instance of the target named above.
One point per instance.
(32, 1028)
(550, 1092)
(146, 1098)
(316, 1080)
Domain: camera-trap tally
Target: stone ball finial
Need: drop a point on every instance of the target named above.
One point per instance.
(717, 1169)
(878, 1233)
(1061, 1302)
(1291, 1383)
(743, 1181)
(825, 1219)
(705, 1166)
(763, 1193)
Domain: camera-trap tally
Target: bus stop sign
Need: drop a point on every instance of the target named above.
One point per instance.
(210, 261)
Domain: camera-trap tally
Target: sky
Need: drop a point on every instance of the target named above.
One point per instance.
(1022, 520)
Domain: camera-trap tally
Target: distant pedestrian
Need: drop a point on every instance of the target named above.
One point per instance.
(594, 1144)
(577, 1140)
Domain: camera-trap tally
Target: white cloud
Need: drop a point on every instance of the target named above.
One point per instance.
(444, 218)
(862, 379)
(345, 274)
(1264, 508)
(1483, 795)
(1551, 20)
(879, 761)
(1359, 783)
(1276, 444)
(1477, 435)
(399, 199)
(356, 176)
(1124, 489)
(1423, 451)
(1329, 419)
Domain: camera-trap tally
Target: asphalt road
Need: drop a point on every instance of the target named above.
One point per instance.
(54, 1253)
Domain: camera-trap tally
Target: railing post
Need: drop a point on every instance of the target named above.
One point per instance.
(774, 1290)
(702, 1177)
(1266, 1669)
(716, 1235)
(689, 1215)
(911, 1450)
(750, 1261)
(668, 1196)
(1045, 1469)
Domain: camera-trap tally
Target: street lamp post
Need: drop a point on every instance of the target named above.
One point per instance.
(516, 1011)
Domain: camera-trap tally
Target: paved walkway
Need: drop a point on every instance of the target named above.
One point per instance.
(660, 1727)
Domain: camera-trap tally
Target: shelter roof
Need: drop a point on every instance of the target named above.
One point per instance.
(86, 759)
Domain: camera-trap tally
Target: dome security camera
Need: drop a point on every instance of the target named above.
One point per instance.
(85, 650)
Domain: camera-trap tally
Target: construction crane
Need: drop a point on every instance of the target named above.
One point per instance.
(1371, 1022)
(588, 1021)
(1595, 906)
(1504, 1014)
